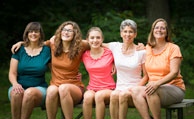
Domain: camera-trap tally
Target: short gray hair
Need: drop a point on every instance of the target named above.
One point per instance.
(128, 22)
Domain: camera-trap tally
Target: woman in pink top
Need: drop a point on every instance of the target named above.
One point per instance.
(98, 62)
(165, 85)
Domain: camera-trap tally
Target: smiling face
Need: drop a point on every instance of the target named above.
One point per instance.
(34, 35)
(95, 39)
(160, 31)
(128, 34)
(67, 33)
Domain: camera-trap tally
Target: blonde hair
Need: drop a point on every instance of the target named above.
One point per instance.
(151, 40)
(75, 46)
(94, 29)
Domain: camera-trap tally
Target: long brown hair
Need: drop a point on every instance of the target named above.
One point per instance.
(36, 27)
(75, 46)
(151, 40)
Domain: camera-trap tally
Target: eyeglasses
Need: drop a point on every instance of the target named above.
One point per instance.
(67, 30)
(161, 28)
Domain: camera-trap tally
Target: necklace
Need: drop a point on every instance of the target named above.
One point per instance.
(33, 52)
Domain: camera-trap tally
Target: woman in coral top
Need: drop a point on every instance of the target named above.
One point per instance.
(165, 85)
(98, 62)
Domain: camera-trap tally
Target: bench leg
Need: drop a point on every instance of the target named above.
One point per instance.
(79, 116)
(180, 113)
(168, 113)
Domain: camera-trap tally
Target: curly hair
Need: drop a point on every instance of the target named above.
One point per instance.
(33, 26)
(151, 40)
(75, 45)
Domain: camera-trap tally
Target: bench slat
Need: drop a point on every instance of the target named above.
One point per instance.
(184, 103)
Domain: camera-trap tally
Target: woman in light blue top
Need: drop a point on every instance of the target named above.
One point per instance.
(27, 73)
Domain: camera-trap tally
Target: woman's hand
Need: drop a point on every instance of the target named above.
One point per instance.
(18, 89)
(52, 39)
(140, 46)
(151, 87)
(79, 76)
(113, 71)
(16, 47)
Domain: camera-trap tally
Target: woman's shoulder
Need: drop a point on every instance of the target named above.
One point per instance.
(86, 53)
(46, 48)
(21, 50)
(173, 45)
(115, 43)
(141, 51)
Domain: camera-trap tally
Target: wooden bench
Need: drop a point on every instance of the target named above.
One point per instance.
(177, 107)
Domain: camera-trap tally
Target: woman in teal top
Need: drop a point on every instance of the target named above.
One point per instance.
(27, 73)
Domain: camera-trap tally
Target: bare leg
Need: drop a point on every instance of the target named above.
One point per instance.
(154, 104)
(114, 104)
(52, 101)
(32, 98)
(101, 98)
(88, 103)
(16, 105)
(139, 99)
(124, 99)
(69, 95)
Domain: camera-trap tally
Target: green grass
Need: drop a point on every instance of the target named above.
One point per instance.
(41, 114)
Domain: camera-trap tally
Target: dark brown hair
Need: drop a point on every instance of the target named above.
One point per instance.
(30, 27)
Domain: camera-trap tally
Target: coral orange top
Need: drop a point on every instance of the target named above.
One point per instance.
(63, 69)
(158, 66)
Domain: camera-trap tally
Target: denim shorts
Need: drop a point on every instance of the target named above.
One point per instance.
(42, 90)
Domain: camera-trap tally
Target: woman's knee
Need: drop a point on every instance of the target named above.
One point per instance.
(99, 96)
(29, 96)
(52, 91)
(114, 97)
(88, 98)
(124, 96)
(64, 90)
(15, 96)
(154, 96)
(138, 91)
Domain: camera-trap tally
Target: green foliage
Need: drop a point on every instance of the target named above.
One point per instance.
(105, 14)
(182, 35)
(110, 24)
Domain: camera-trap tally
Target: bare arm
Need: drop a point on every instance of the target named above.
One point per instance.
(106, 45)
(145, 76)
(16, 46)
(114, 69)
(17, 88)
(174, 70)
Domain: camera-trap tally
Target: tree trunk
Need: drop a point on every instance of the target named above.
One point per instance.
(157, 9)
